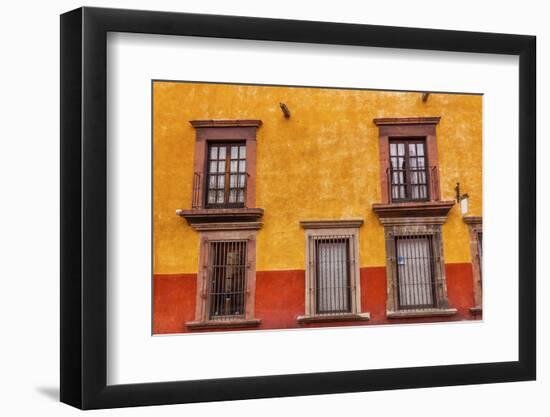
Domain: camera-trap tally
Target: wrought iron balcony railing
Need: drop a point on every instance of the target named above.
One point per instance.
(412, 184)
(221, 191)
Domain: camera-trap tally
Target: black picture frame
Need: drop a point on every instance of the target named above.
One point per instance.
(84, 207)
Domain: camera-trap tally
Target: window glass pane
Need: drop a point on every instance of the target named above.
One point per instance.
(234, 166)
(242, 181)
(212, 181)
(211, 197)
(401, 179)
(221, 166)
(222, 152)
(214, 152)
(242, 166)
(232, 196)
(401, 149)
(233, 181)
(241, 196)
(423, 192)
(234, 152)
(221, 181)
(421, 177)
(395, 178)
(420, 149)
(395, 192)
(393, 149)
(242, 152)
(412, 149)
(213, 166)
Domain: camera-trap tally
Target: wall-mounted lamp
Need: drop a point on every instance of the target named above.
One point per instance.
(285, 110)
(462, 199)
(425, 97)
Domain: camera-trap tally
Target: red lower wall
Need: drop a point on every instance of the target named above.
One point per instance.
(280, 299)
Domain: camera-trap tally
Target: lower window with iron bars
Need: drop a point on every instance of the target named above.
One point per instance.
(416, 273)
(226, 283)
(332, 273)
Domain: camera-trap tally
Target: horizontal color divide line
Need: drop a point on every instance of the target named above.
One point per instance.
(299, 271)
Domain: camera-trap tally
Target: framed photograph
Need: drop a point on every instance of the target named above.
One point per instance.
(257, 208)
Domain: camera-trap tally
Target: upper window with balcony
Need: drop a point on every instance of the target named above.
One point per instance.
(409, 170)
(224, 174)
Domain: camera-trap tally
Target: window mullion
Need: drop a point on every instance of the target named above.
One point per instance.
(227, 175)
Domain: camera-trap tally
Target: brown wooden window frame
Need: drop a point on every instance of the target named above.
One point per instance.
(396, 128)
(407, 171)
(209, 132)
(234, 182)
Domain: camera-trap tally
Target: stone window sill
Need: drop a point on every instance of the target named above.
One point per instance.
(334, 318)
(220, 215)
(413, 209)
(476, 310)
(222, 324)
(411, 314)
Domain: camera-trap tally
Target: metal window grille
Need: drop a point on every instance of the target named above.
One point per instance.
(418, 281)
(409, 174)
(331, 270)
(227, 176)
(227, 268)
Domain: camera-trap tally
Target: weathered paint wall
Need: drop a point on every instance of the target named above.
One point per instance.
(322, 163)
(280, 299)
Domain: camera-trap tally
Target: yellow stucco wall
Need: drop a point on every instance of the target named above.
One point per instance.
(322, 163)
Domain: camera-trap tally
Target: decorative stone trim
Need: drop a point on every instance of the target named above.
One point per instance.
(382, 121)
(412, 314)
(202, 227)
(476, 310)
(331, 224)
(432, 209)
(333, 318)
(226, 123)
(475, 226)
(222, 324)
(472, 219)
(410, 221)
(203, 215)
(315, 229)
